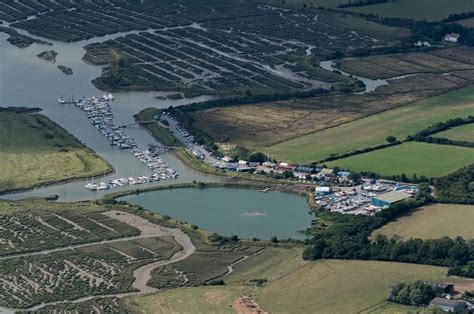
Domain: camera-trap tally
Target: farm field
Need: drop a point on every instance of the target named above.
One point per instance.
(416, 10)
(261, 125)
(467, 22)
(37, 151)
(373, 130)
(461, 133)
(410, 158)
(433, 222)
(327, 286)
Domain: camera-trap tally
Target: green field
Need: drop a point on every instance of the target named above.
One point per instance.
(374, 129)
(411, 158)
(37, 151)
(295, 286)
(433, 222)
(430, 10)
(460, 133)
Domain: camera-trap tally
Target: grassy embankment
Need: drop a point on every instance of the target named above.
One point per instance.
(411, 158)
(36, 151)
(433, 222)
(416, 10)
(373, 130)
(294, 286)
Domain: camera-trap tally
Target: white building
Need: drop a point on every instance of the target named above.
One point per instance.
(452, 37)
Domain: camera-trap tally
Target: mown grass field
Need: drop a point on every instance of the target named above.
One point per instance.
(373, 130)
(433, 222)
(460, 133)
(295, 286)
(467, 22)
(411, 158)
(35, 150)
(416, 9)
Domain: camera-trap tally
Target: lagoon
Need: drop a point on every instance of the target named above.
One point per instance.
(246, 213)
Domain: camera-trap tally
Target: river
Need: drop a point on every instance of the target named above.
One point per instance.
(370, 85)
(26, 80)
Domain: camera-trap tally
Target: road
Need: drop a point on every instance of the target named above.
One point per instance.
(173, 127)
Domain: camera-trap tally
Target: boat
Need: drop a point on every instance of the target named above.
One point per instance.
(61, 100)
(91, 186)
(265, 190)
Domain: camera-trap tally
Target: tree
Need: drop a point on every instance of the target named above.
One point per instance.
(257, 157)
(391, 139)
(403, 178)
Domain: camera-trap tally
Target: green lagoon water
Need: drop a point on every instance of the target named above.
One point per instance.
(228, 211)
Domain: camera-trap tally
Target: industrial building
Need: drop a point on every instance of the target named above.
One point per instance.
(389, 198)
(448, 305)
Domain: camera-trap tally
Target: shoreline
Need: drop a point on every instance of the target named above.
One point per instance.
(50, 183)
(201, 185)
(80, 146)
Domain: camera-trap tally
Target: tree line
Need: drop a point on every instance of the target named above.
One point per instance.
(360, 3)
(421, 29)
(416, 293)
(457, 187)
(349, 237)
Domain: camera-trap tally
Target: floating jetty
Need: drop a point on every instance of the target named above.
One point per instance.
(99, 113)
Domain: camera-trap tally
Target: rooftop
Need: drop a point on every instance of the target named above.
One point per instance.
(393, 196)
(327, 171)
(446, 302)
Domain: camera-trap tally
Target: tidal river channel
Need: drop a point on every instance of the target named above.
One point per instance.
(26, 80)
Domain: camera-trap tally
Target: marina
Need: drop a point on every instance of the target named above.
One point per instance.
(99, 114)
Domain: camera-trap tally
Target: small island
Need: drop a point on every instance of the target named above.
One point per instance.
(66, 70)
(49, 56)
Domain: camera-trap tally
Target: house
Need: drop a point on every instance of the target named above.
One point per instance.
(286, 167)
(389, 198)
(226, 159)
(440, 288)
(448, 305)
(452, 37)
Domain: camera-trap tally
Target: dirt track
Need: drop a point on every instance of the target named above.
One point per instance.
(142, 274)
(147, 228)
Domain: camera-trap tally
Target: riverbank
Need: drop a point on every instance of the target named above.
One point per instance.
(163, 135)
(41, 153)
(20, 40)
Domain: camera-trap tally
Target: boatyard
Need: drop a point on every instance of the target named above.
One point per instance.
(99, 113)
(366, 199)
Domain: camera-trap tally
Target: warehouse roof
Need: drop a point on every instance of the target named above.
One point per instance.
(393, 196)
(446, 302)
